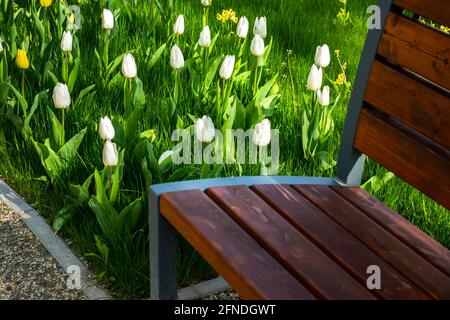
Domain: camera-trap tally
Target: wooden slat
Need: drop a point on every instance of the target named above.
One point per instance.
(339, 244)
(419, 162)
(437, 10)
(398, 226)
(417, 48)
(228, 249)
(291, 248)
(407, 261)
(410, 101)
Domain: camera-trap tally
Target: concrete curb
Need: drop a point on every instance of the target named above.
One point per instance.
(203, 289)
(53, 243)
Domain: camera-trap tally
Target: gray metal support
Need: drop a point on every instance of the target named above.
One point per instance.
(163, 253)
(351, 162)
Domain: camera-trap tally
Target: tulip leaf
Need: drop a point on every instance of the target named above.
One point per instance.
(49, 159)
(131, 127)
(55, 139)
(129, 216)
(23, 103)
(156, 56)
(262, 92)
(210, 74)
(26, 129)
(38, 25)
(61, 218)
(139, 95)
(100, 189)
(106, 217)
(113, 66)
(74, 74)
(68, 152)
(116, 178)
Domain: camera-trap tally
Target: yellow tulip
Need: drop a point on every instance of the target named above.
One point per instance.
(22, 59)
(45, 3)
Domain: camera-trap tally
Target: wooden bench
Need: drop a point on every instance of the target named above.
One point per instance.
(314, 238)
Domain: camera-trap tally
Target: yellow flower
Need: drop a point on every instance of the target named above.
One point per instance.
(22, 59)
(337, 53)
(340, 80)
(444, 29)
(45, 3)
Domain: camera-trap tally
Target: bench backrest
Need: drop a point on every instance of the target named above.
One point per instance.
(399, 112)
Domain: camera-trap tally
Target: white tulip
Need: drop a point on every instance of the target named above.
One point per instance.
(106, 129)
(261, 135)
(164, 156)
(61, 96)
(176, 58)
(260, 27)
(227, 68)
(110, 154)
(324, 96)
(129, 68)
(257, 46)
(205, 38)
(178, 28)
(66, 41)
(204, 129)
(315, 78)
(206, 3)
(322, 57)
(107, 19)
(242, 28)
(1, 47)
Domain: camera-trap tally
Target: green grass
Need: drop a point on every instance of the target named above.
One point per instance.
(297, 25)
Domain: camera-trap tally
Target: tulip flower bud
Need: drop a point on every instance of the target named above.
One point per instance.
(261, 135)
(322, 57)
(164, 156)
(204, 129)
(129, 68)
(1, 46)
(205, 38)
(110, 154)
(61, 96)
(260, 27)
(66, 41)
(206, 3)
(178, 28)
(107, 19)
(324, 96)
(242, 28)
(176, 58)
(257, 46)
(315, 78)
(227, 68)
(45, 3)
(22, 59)
(106, 129)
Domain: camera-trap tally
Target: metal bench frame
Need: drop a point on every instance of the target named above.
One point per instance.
(163, 237)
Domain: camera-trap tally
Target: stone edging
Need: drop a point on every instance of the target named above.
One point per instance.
(53, 243)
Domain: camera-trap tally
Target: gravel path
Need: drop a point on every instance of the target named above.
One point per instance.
(27, 270)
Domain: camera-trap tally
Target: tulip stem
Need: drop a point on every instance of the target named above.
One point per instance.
(65, 68)
(23, 84)
(62, 129)
(175, 90)
(110, 178)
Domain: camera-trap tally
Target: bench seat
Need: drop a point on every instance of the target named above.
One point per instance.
(308, 240)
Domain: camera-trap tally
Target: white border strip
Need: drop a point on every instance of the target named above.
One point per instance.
(53, 243)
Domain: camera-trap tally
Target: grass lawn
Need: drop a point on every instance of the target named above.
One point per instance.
(297, 27)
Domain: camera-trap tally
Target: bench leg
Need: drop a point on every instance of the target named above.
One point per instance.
(163, 254)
